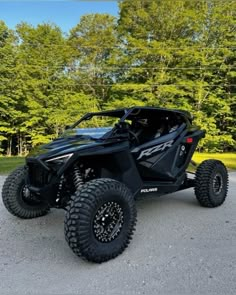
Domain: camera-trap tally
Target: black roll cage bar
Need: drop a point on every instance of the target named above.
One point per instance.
(123, 114)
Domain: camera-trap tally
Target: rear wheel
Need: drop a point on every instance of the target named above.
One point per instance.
(100, 220)
(211, 183)
(18, 200)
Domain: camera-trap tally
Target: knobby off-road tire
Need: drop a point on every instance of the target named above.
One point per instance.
(15, 200)
(100, 220)
(211, 183)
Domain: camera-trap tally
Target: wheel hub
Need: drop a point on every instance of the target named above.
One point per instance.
(28, 197)
(26, 192)
(108, 222)
(217, 184)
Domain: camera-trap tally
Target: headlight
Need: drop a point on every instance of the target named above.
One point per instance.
(59, 160)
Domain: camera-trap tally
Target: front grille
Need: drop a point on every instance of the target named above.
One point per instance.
(38, 176)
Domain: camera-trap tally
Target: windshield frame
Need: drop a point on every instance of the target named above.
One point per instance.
(120, 114)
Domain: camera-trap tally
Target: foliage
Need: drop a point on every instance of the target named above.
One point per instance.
(156, 53)
(229, 159)
(183, 56)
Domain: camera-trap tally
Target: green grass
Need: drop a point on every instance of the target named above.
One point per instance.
(229, 159)
(8, 164)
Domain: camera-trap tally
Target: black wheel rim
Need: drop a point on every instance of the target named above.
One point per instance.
(108, 222)
(217, 184)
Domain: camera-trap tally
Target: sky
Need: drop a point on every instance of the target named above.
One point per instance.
(64, 13)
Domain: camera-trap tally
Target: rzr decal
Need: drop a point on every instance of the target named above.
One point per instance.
(160, 147)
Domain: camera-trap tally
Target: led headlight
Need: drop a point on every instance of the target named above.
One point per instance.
(60, 160)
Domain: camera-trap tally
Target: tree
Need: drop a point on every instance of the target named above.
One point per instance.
(10, 104)
(156, 53)
(43, 56)
(94, 40)
(181, 56)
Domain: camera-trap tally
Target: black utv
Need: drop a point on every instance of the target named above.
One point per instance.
(97, 173)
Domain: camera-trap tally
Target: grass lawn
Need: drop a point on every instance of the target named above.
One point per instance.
(8, 164)
(229, 159)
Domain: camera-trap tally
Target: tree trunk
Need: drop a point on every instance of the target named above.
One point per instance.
(9, 145)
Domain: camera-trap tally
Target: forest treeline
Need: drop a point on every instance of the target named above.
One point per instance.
(175, 54)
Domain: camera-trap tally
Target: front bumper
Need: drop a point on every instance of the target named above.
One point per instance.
(41, 180)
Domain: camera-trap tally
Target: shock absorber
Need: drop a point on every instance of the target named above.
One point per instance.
(59, 190)
(77, 178)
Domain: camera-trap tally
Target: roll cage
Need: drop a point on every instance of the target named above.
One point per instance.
(135, 113)
(141, 123)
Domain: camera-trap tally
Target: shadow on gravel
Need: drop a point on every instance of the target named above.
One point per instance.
(184, 199)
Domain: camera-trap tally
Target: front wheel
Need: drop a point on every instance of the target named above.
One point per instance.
(100, 220)
(211, 183)
(18, 200)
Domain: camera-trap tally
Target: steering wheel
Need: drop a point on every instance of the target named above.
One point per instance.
(133, 136)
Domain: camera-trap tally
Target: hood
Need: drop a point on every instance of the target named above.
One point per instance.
(71, 141)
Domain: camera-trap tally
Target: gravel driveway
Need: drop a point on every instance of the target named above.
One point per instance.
(178, 248)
